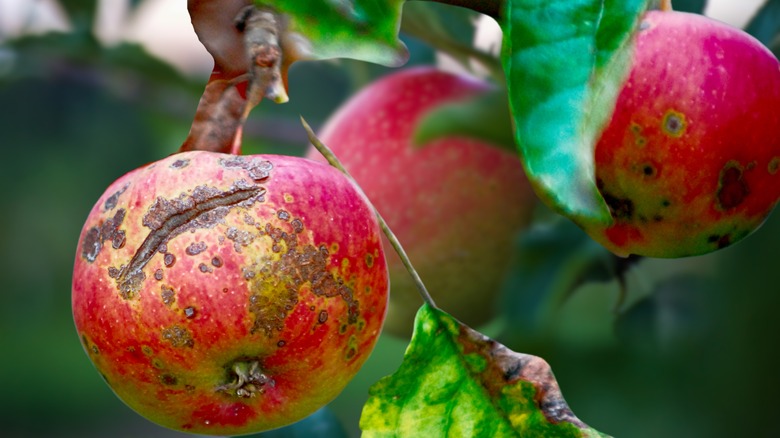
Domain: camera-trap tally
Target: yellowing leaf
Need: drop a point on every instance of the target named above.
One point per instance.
(455, 381)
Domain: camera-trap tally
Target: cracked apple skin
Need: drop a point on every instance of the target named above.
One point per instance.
(225, 295)
(689, 162)
(456, 203)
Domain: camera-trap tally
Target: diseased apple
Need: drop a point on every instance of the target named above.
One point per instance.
(222, 294)
(456, 203)
(689, 162)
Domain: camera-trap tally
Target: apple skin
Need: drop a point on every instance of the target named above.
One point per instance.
(689, 162)
(203, 267)
(456, 204)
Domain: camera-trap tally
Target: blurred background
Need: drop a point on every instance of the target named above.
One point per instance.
(91, 90)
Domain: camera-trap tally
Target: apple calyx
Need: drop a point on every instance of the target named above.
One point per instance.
(248, 379)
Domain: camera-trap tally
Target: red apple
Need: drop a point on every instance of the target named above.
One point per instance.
(456, 204)
(223, 295)
(689, 162)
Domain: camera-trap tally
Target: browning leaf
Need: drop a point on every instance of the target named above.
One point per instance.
(455, 381)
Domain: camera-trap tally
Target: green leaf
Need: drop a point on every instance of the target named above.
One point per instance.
(455, 381)
(366, 30)
(695, 6)
(484, 117)
(765, 25)
(553, 259)
(565, 62)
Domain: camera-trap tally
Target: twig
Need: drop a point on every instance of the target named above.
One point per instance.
(334, 161)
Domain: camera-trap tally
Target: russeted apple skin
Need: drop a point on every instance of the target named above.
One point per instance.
(689, 162)
(457, 204)
(225, 295)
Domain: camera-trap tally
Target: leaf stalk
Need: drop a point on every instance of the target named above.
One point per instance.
(391, 237)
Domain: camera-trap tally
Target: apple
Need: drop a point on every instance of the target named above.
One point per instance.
(456, 203)
(690, 161)
(222, 294)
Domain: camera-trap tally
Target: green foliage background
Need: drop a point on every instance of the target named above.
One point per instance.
(692, 354)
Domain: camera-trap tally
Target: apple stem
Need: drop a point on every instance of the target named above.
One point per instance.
(391, 237)
(228, 98)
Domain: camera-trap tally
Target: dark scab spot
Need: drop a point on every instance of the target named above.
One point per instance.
(666, 203)
(147, 350)
(648, 170)
(674, 123)
(343, 329)
(190, 312)
(189, 388)
(113, 272)
(204, 268)
(297, 225)
(217, 262)
(283, 215)
(169, 259)
(196, 248)
(281, 343)
(621, 208)
(351, 352)
(168, 379)
(95, 349)
(224, 290)
(180, 164)
(369, 260)
(732, 188)
(158, 274)
(322, 317)
(157, 363)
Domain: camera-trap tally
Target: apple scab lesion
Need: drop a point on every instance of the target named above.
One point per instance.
(96, 237)
(178, 336)
(204, 207)
(277, 281)
(732, 187)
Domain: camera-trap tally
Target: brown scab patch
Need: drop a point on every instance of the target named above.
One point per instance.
(322, 317)
(297, 225)
(369, 260)
(259, 170)
(204, 268)
(196, 248)
(674, 124)
(204, 207)
(190, 312)
(168, 295)
(217, 262)
(240, 238)
(158, 274)
(732, 187)
(112, 200)
(96, 236)
(277, 282)
(283, 215)
(169, 260)
(180, 163)
(178, 336)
